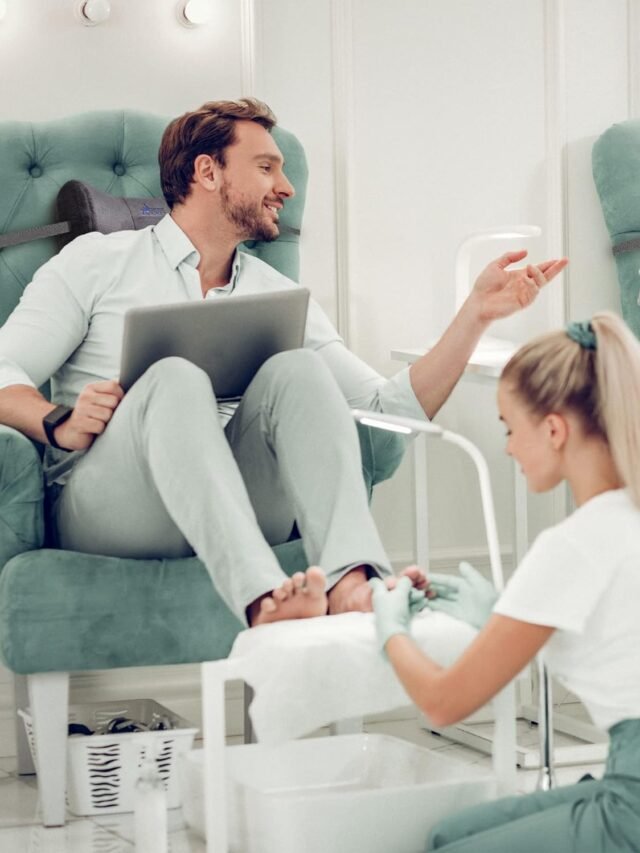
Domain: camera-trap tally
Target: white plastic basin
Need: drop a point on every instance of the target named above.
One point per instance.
(344, 794)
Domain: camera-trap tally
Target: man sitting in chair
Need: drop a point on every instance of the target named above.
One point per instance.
(164, 471)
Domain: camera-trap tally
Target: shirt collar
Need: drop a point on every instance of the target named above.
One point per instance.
(175, 244)
(178, 248)
(235, 269)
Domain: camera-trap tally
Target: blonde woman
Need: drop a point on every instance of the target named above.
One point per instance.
(570, 403)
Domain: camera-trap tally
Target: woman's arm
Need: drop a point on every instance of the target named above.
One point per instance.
(500, 651)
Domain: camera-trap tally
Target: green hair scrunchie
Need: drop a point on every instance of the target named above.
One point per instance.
(582, 333)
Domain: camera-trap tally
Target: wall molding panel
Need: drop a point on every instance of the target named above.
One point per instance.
(633, 54)
(557, 189)
(556, 151)
(249, 45)
(343, 133)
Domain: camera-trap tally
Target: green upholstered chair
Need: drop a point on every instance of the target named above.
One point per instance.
(61, 611)
(616, 172)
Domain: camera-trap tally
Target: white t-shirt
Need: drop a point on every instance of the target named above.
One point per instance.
(582, 577)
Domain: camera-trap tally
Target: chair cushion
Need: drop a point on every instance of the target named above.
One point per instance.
(86, 209)
(64, 611)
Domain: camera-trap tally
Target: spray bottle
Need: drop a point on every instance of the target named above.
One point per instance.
(150, 810)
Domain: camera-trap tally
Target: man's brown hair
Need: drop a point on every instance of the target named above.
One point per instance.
(208, 130)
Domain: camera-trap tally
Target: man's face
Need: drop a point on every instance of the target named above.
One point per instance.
(254, 186)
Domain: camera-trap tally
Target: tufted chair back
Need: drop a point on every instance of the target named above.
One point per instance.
(115, 151)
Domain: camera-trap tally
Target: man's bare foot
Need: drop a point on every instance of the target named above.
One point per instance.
(300, 597)
(353, 593)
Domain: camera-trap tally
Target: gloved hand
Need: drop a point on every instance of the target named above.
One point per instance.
(467, 596)
(394, 608)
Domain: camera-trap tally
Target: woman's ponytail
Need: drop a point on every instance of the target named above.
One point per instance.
(618, 376)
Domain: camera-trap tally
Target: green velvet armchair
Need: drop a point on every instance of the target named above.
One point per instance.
(60, 611)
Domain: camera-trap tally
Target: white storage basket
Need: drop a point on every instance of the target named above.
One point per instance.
(102, 770)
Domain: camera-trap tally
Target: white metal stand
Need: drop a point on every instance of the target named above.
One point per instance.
(420, 497)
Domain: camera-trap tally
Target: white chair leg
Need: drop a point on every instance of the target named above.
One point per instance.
(26, 767)
(49, 702)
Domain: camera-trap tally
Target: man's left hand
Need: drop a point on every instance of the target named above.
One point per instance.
(499, 292)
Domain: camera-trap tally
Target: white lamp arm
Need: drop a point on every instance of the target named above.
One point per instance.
(407, 426)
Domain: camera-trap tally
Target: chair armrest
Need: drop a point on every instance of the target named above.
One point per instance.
(21, 494)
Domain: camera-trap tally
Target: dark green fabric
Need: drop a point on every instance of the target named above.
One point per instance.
(616, 172)
(66, 611)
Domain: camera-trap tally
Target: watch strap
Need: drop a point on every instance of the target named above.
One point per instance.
(52, 420)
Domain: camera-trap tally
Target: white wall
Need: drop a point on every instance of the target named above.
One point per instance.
(440, 152)
(459, 116)
(449, 116)
(141, 58)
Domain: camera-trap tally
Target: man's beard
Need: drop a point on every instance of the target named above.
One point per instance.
(247, 220)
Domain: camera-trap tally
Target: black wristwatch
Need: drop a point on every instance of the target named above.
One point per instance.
(55, 417)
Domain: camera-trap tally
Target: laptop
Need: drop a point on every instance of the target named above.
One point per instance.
(229, 337)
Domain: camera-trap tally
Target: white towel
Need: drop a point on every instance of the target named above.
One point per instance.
(307, 673)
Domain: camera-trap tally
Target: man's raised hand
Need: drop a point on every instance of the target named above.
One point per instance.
(499, 292)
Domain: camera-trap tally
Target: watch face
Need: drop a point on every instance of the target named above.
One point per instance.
(57, 416)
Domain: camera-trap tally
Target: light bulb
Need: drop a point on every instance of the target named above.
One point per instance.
(93, 12)
(194, 13)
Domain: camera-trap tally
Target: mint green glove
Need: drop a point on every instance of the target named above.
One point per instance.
(467, 596)
(395, 608)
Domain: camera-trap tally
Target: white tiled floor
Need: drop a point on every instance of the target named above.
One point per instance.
(20, 831)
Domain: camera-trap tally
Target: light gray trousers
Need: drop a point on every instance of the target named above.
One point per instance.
(166, 480)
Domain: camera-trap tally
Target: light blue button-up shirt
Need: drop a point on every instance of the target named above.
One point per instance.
(68, 326)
